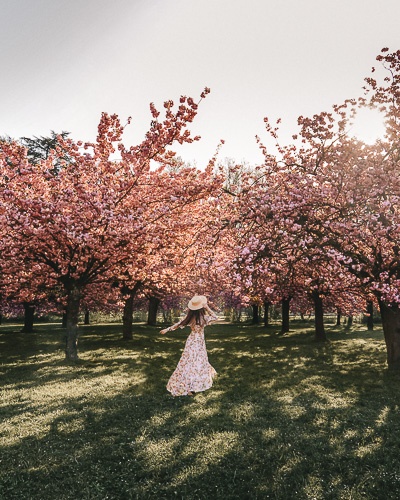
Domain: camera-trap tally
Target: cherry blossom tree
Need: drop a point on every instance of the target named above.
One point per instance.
(92, 215)
(366, 229)
(323, 208)
(348, 194)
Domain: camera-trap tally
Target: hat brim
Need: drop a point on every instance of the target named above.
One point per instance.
(199, 303)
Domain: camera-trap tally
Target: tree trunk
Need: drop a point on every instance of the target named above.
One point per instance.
(64, 319)
(154, 302)
(127, 317)
(87, 317)
(256, 317)
(370, 316)
(285, 315)
(349, 322)
(1, 318)
(73, 304)
(338, 317)
(29, 310)
(319, 316)
(266, 312)
(391, 330)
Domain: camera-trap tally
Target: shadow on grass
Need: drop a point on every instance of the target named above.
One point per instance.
(286, 418)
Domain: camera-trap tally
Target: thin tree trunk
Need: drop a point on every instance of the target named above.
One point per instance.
(319, 316)
(73, 305)
(154, 303)
(266, 312)
(127, 318)
(338, 317)
(29, 311)
(256, 317)
(391, 330)
(370, 316)
(285, 315)
(64, 319)
(349, 322)
(87, 317)
(1, 318)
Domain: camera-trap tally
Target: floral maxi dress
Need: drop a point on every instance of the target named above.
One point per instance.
(193, 372)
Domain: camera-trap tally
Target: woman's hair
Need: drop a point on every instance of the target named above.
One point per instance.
(197, 317)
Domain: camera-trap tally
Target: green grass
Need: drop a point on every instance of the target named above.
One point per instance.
(287, 418)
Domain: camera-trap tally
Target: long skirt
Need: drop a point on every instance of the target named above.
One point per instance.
(193, 372)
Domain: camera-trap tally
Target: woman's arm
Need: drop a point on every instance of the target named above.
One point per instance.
(211, 314)
(170, 328)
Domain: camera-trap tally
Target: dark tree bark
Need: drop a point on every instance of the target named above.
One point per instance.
(154, 303)
(266, 313)
(391, 330)
(256, 314)
(285, 314)
(338, 317)
(29, 312)
(72, 334)
(87, 317)
(127, 318)
(319, 316)
(64, 319)
(1, 318)
(349, 322)
(370, 316)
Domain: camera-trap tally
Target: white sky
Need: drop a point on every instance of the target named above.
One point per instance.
(63, 62)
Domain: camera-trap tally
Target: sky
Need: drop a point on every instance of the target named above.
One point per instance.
(64, 62)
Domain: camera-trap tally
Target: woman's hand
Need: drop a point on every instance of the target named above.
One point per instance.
(163, 332)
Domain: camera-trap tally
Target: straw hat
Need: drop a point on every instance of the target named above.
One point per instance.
(197, 302)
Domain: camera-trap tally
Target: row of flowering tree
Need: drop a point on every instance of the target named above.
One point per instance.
(317, 225)
(78, 220)
(321, 219)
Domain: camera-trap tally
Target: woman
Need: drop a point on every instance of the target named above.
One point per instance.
(193, 372)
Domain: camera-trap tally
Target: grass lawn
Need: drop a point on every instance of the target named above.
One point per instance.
(287, 418)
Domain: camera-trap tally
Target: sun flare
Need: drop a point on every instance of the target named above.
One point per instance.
(368, 126)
